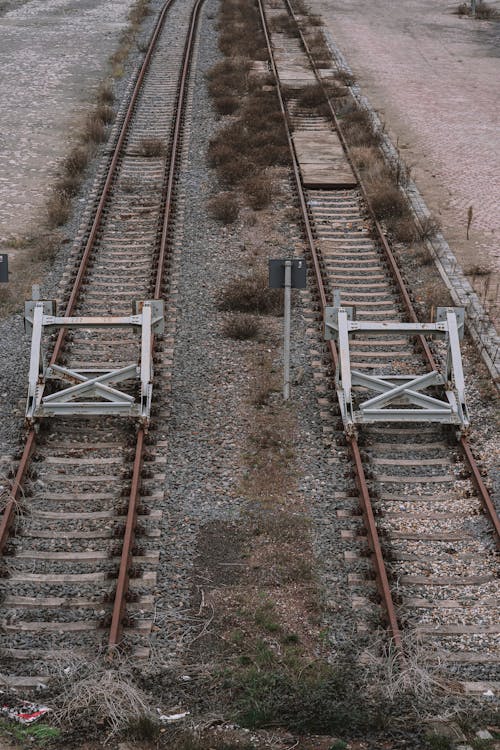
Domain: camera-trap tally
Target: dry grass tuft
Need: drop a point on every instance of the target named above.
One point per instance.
(310, 97)
(226, 105)
(434, 294)
(404, 229)
(262, 387)
(358, 128)
(348, 79)
(224, 207)
(73, 167)
(58, 208)
(237, 169)
(105, 696)
(366, 158)
(105, 93)
(242, 327)
(484, 12)
(105, 113)
(251, 294)
(428, 227)
(259, 191)
(318, 47)
(138, 12)
(76, 161)
(422, 254)
(419, 675)
(95, 130)
(20, 507)
(284, 24)
(386, 199)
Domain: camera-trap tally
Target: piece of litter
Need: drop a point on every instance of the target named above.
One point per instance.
(171, 718)
(489, 694)
(185, 678)
(24, 712)
(483, 734)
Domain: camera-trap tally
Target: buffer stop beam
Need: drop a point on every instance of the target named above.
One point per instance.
(89, 391)
(400, 397)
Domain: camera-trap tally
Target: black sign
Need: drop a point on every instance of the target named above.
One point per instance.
(4, 268)
(277, 273)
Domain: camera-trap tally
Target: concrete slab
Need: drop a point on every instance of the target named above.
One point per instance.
(322, 160)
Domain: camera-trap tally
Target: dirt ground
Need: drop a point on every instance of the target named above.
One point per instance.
(434, 79)
(52, 55)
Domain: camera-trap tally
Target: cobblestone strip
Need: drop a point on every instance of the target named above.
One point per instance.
(479, 323)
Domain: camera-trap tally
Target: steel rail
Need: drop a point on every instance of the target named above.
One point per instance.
(176, 142)
(122, 584)
(11, 505)
(366, 505)
(484, 496)
(123, 581)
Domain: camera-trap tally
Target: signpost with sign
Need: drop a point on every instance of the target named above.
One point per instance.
(4, 268)
(287, 274)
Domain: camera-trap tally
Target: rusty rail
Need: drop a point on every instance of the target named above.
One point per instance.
(122, 586)
(9, 513)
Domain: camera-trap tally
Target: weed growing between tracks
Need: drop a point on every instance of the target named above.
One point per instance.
(484, 11)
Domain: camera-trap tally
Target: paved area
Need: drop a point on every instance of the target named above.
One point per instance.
(52, 55)
(434, 78)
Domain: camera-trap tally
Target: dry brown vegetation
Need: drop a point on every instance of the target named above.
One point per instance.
(105, 93)
(484, 11)
(94, 130)
(259, 190)
(251, 294)
(284, 24)
(58, 208)
(242, 327)
(254, 138)
(224, 207)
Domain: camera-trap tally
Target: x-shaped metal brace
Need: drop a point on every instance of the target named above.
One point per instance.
(90, 391)
(400, 398)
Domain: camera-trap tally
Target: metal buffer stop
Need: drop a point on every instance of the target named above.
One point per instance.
(90, 391)
(400, 397)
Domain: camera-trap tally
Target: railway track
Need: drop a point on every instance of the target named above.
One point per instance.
(79, 570)
(78, 566)
(429, 524)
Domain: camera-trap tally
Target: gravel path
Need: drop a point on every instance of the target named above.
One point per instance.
(209, 421)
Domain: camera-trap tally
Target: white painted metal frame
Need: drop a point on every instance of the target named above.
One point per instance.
(90, 391)
(399, 397)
